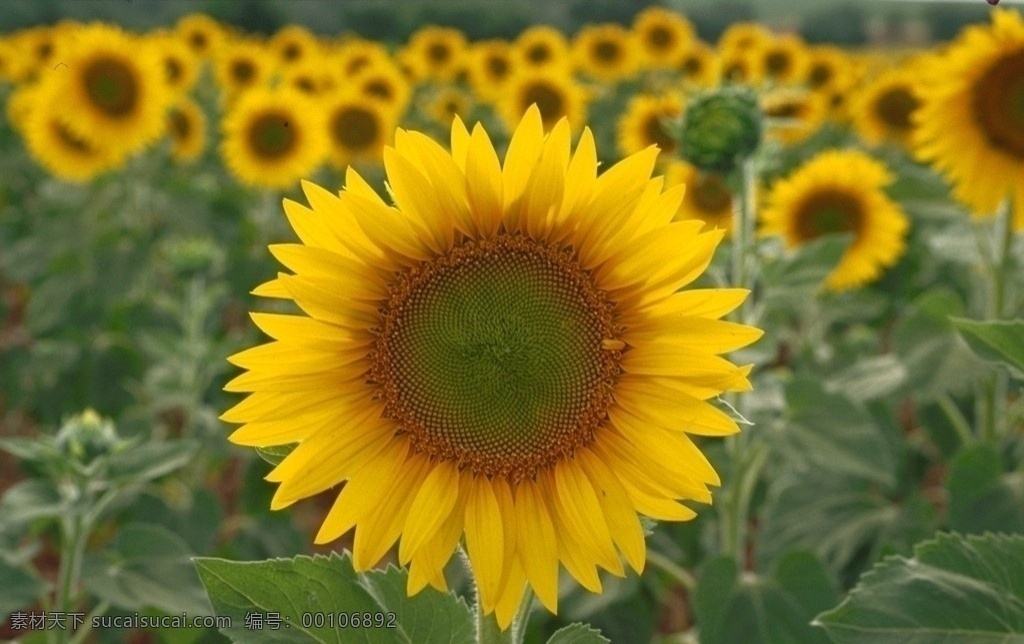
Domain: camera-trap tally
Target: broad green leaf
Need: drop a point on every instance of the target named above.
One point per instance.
(830, 430)
(732, 607)
(149, 461)
(802, 272)
(303, 587)
(22, 588)
(275, 453)
(869, 378)
(954, 589)
(578, 634)
(30, 449)
(27, 501)
(981, 496)
(995, 340)
(146, 566)
(937, 360)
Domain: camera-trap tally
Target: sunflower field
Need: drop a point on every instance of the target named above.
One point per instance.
(623, 329)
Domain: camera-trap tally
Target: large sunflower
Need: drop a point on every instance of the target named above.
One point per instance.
(503, 354)
(115, 90)
(552, 89)
(971, 121)
(272, 138)
(884, 108)
(840, 192)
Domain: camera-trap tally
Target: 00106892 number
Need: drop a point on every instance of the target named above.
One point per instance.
(348, 620)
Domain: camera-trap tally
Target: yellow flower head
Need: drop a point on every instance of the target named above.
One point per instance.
(552, 89)
(647, 121)
(606, 52)
(663, 36)
(884, 109)
(358, 127)
(186, 125)
(440, 52)
(541, 46)
(503, 355)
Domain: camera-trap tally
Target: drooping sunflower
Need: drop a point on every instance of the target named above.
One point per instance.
(440, 51)
(606, 52)
(646, 122)
(883, 109)
(664, 36)
(970, 124)
(358, 127)
(272, 138)
(186, 125)
(708, 197)
(241, 65)
(57, 147)
(201, 33)
(504, 354)
(489, 68)
(840, 192)
(114, 88)
(552, 89)
(540, 46)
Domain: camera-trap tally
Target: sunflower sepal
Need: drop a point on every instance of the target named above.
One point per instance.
(274, 454)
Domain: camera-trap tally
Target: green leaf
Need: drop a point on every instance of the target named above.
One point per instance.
(578, 634)
(150, 461)
(732, 607)
(869, 378)
(22, 588)
(146, 566)
(27, 501)
(831, 431)
(803, 271)
(981, 496)
(301, 587)
(276, 453)
(995, 340)
(954, 589)
(35, 450)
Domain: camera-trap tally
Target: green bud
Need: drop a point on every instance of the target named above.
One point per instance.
(86, 436)
(721, 128)
(192, 255)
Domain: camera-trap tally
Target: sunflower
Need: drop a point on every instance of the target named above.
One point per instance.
(970, 124)
(241, 65)
(708, 197)
(744, 35)
(310, 77)
(186, 125)
(645, 123)
(357, 54)
(552, 89)
(358, 127)
(503, 354)
(884, 108)
(784, 59)
(606, 52)
(828, 67)
(794, 114)
(840, 192)
(489, 67)
(446, 104)
(741, 65)
(37, 47)
(56, 146)
(541, 46)
(271, 138)
(440, 52)
(114, 88)
(201, 33)
(664, 36)
(699, 65)
(181, 67)
(383, 82)
(294, 44)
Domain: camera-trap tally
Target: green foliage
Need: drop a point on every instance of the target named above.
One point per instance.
(982, 495)
(995, 340)
(305, 589)
(953, 589)
(578, 634)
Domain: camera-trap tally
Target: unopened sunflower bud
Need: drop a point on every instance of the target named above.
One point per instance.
(721, 128)
(86, 436)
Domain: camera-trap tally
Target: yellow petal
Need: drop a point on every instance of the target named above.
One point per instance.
(577, 505)
(485, 541)
(460, 142)
(378, 531)
(658, 405)
(537, 544)
(484, 183)
(417, 200)
(360, 280)
(302, 330)
(434, 502)
(511, 595)
(273, 288)
(543, 193)
(523, 150)
(618, 510)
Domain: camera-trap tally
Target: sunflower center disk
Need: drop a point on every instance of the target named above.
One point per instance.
(828, 212)
(354, 128)
(271, 135)
(999, 104)
(111, 86)
(895, 108)
(492, 356)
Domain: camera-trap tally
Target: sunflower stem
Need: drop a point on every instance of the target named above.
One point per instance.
(486, 629)
(995, 384)
(672, 569)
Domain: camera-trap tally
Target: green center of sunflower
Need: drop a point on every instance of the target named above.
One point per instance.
(548, 99)
(111, 86)
(998, 103)
(607, 51)
(894, 108)
(660, 38)
(711, 194)
(654, 132)
(497, 355)
(271, 135)
(354, 128)
(827, 212)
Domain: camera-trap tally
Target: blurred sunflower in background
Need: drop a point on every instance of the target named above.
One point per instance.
(708, 197)
(883, 109)
(383, 82)
(541, 46)
(840, 191)
(445, 104)
(647, 121)
(606, 52)
(828, 67)
(114, 94)
(439, 50)
(663, 36)
(271, 138)
(243, 64)
(294, 44)
(740, 65)
(504, 354)
(358, 127)
(784, 59)
(793, 113)
(699, 65)
(201, 33)
(489, 67)
(553, 90)
(970, 124)
(355, 55)
(186, 127)
(181, 67)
